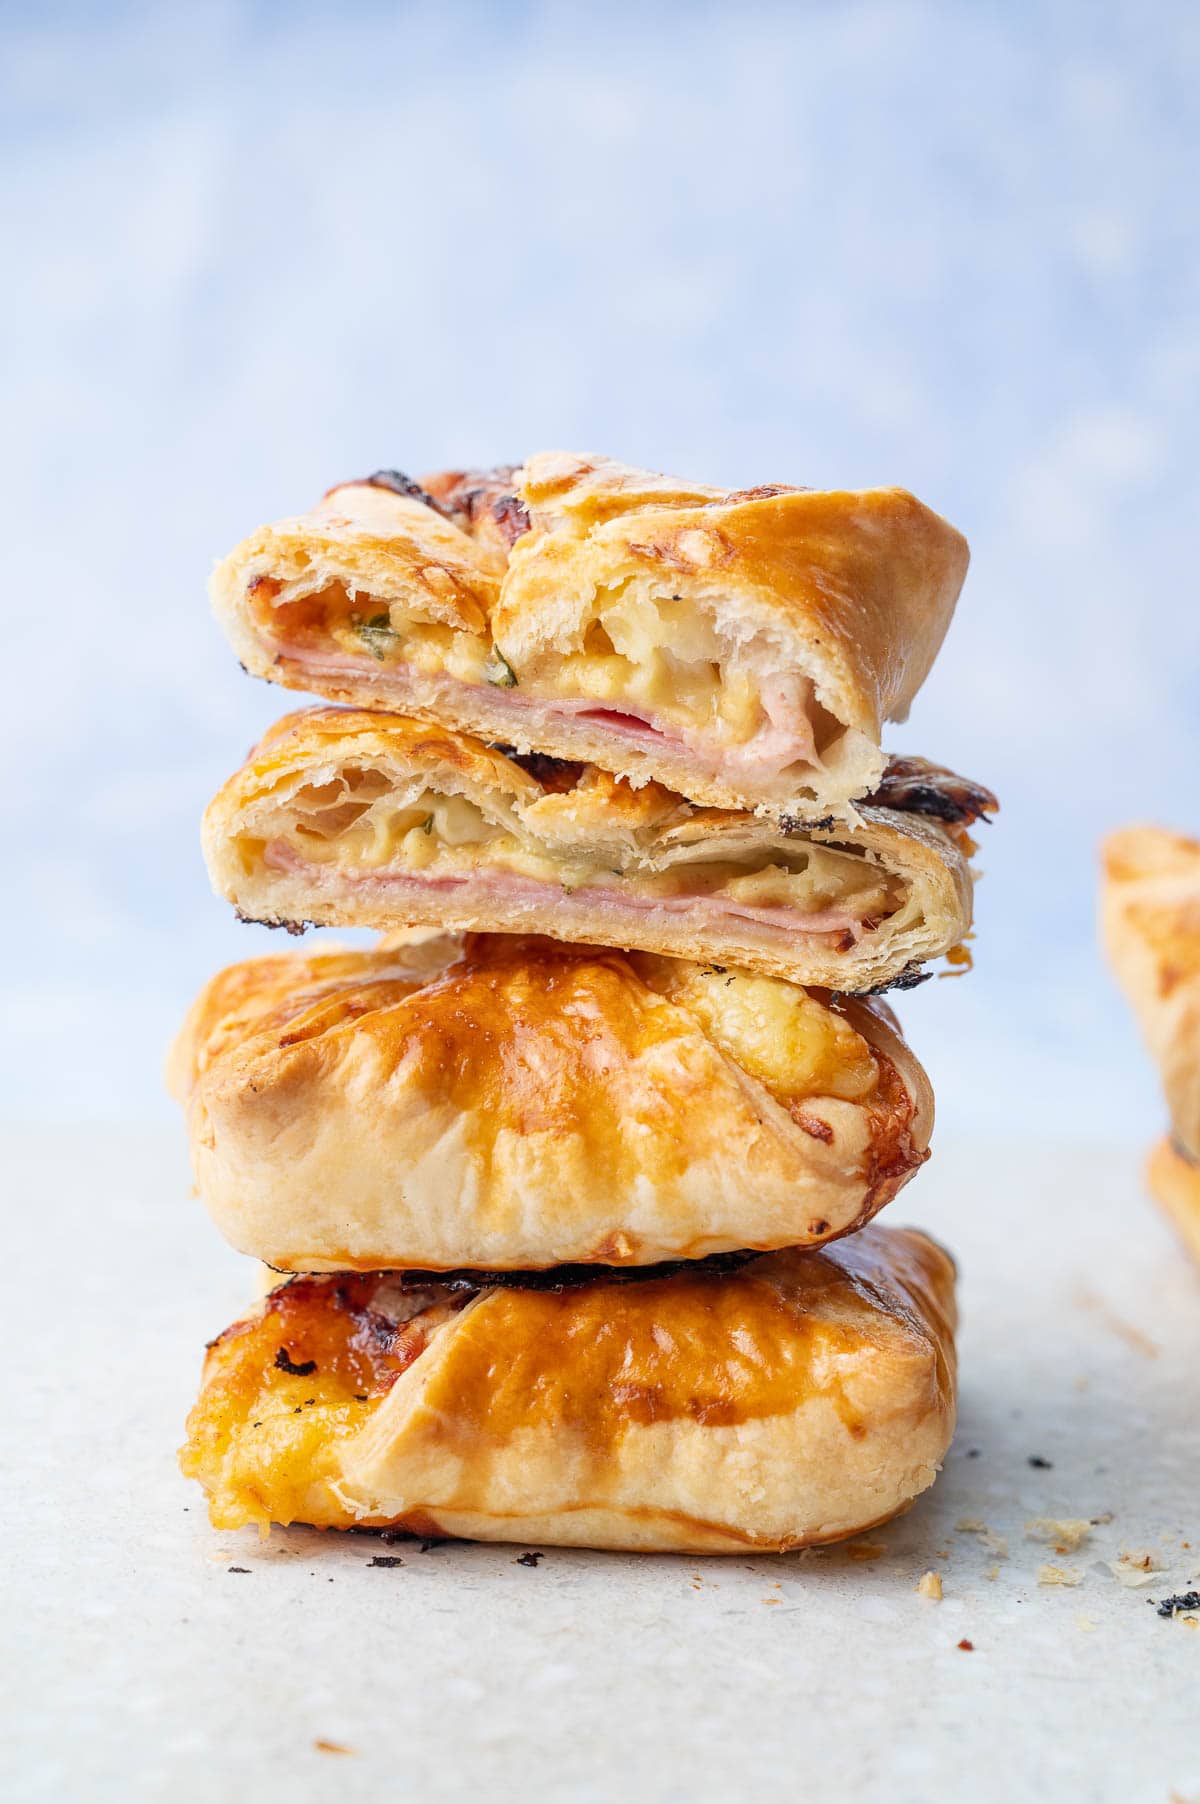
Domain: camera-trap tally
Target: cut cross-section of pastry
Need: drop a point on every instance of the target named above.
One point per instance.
(347, 818)
(514, 1103)
(742, 647)
(795, 1400)
(1150, 907)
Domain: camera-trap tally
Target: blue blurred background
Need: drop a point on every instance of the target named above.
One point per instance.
(252, 250)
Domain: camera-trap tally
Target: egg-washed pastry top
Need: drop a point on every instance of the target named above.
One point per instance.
(1150, 909)
(795, 1400)
(742, 647)
(510, 1103)
(349, 818)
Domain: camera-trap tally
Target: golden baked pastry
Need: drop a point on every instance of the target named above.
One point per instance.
(348, 818)
(1174, 1181)
(1150, 911)
(798, 1399)
(743, 648)
(515, 1103)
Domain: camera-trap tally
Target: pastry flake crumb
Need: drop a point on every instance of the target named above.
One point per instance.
(930, 1585)
(993, 1573)
(330, 1747)
(995, 1544)
(1059, 1575)
(1135, 1566)
(1067, 1536)
(968, 1647)
(1086, 1624)
(865, 1550)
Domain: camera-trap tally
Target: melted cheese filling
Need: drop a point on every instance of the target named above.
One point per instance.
(659, 659)
(359, 823)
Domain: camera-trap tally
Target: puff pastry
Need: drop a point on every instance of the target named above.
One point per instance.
(348, 818)
(1150, 911)
(1174, 1182)
(796, 1400)
(516, 1103)
(743, 648)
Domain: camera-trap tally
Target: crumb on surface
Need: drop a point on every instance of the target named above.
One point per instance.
(1059, 1575)
(330, 1747)
(1067, 1535)
(968, 1647)
(930, 1585)
(865, 1550)
(1135, 1566)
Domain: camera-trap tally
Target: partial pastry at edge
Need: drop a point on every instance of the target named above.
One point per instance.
(795, 1401)
(742, 647)
(1150, 915)
(348, 818)
(513, 1103)
(1174, 1182)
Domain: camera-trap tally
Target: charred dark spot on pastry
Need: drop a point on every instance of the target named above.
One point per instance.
(388, 1560)
(529, 1559)
(511, 516)
(571, 1277)
(555, 775)
(815, 1128)
(792, 825)
(914, 786)
(908, 979)
(293, 927)
(766, 491)
(302, 1369)
(400, 484)
(1039, 1464)
(1179, 1603)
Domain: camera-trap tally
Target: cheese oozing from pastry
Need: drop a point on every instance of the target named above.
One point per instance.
(647, 668)
(356, 822)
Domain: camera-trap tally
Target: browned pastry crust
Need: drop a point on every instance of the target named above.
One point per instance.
(517, 1103)
(797, 1400)
(1150, 910)
(1174, 1182)
(742, 647)
(348, 818)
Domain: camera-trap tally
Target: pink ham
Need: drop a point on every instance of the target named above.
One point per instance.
(786, 740)
(829, 925)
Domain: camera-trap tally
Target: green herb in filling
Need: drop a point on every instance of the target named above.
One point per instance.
(500, 672)
(377, 634)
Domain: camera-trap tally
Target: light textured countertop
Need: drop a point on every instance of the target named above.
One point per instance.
(141, 1667)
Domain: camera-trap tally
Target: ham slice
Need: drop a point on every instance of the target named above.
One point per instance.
(493, 888)
(785, 741)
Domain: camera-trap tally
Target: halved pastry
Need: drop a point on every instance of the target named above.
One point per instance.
(1150, 909)
(796, 1400)
(515, 1103)
(354, 819)
(1174, 1182)
(742, 647)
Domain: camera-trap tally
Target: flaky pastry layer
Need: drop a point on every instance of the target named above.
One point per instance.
(742, 647)
(1150, 913)
(514, 1103)
(348, 818)
(796, 1400)
(1174, 1182)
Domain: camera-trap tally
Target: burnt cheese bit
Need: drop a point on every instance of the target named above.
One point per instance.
(400, 484)
(301, 1369)
(914, 786)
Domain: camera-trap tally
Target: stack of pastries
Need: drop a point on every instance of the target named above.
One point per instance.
(567, 1184)
(1150, 907)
